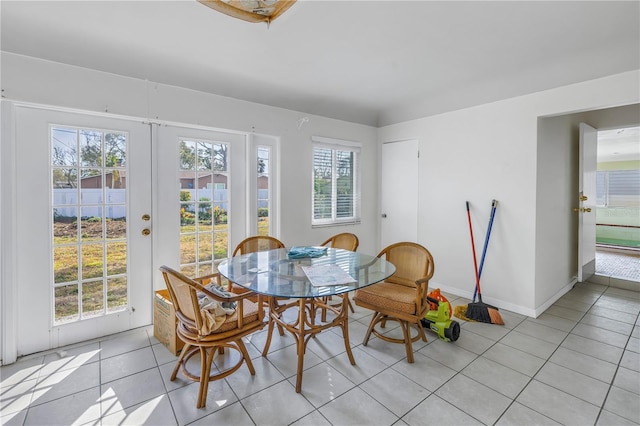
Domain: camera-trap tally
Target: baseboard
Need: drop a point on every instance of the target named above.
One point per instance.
(615, 282)
(502, 304)
(534, 313)
(553, 299)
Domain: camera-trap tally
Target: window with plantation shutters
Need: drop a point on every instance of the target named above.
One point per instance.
(336, 181)
(618, 188)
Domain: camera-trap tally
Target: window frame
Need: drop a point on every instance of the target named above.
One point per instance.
(272, 143)
(616, 188)
(337, 145)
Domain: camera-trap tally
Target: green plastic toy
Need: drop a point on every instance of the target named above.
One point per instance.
(439, 321)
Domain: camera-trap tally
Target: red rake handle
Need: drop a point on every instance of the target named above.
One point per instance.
(473, 248)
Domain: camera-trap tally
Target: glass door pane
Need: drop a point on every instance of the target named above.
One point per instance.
(264, 198)
(204, 204)
(89, 193)
(263, 190)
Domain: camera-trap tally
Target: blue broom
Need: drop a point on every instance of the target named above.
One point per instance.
(494, 206)
(480, 311)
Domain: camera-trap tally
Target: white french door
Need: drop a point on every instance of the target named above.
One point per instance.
(83, 223)
(201, 197)
(100, 203)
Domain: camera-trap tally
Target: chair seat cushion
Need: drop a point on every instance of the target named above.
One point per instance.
(389, 296)
(250, 315)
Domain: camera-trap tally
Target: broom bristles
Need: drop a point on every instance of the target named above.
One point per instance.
(478, 312)
(496, 318)
(484, 313)
(460, 311)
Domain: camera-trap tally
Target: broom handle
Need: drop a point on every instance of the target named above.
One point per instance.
(473, 248)
(494, 205)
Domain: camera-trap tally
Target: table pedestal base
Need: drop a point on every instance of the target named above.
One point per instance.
(305, 327)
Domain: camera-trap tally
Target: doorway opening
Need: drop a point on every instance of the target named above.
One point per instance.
(618, 203)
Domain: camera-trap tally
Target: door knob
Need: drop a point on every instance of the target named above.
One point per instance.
(146, 231)
(146, 217)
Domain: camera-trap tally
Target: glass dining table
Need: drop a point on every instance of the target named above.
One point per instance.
(307, 283)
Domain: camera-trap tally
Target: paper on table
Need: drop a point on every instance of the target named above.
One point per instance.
(324, 275)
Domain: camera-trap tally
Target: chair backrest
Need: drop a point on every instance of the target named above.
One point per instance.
(412, 262)
(345, 241)
(257, 243)
(183, 291)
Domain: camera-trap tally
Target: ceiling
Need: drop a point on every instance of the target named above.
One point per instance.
(619, 144)
(369, 62)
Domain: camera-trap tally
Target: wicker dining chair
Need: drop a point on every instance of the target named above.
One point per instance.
(252, 245)
(247, 318)
(345, 241)
(402, 297)
(257, 243)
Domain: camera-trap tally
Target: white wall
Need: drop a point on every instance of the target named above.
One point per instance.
(492, 151)
(475, 154)
(556, 192)
(34, 80)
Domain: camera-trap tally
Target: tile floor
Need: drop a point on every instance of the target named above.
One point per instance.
(577, 364)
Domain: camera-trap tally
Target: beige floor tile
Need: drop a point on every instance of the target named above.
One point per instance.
(589, 376)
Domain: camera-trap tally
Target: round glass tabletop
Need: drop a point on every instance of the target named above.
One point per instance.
(272, 272)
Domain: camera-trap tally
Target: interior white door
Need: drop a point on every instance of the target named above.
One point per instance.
(399, 192)
(587, 202)
(83, 257)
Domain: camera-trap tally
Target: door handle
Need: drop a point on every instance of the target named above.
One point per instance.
(582, 210)
(383, 215)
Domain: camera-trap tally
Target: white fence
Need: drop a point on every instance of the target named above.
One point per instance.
(65, 201)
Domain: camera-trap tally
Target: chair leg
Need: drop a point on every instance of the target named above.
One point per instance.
(245, 355)
(423, 335)
(206, 358)
(345, 335)
(326, 299)
(406, 330)
(184, 351)
(353, 311)
(323, 313)
(372, 324)
(265, 350)
(275, 306)
(313, 311)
